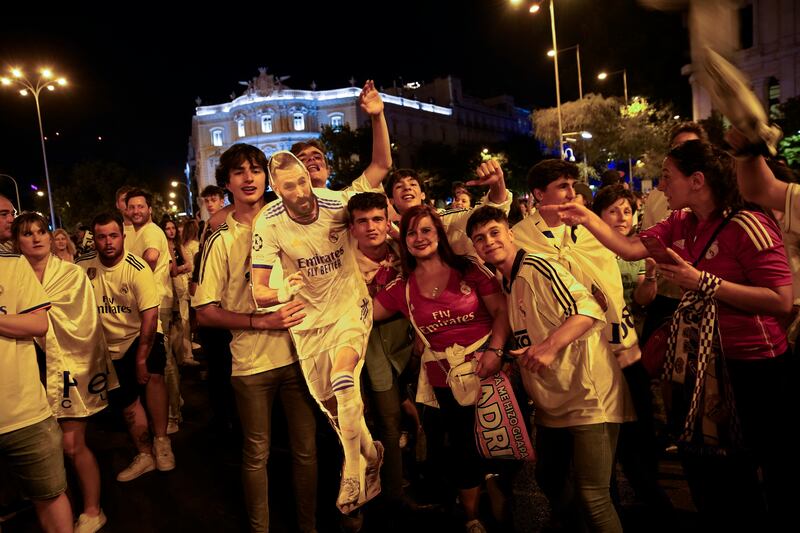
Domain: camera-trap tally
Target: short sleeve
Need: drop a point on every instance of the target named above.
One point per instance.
(151, 238)
(213, 273)
(31, 293)
(482, 279)
(760, 250)
(362, 184)
(393, 296)
(265, 246)
(146, 292)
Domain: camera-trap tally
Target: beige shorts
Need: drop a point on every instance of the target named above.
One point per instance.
(317, 368)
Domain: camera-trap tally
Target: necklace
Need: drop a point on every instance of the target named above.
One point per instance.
(435, 292)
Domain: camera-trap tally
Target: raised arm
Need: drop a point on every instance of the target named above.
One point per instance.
(628, 248)
(372, 104)
(489, 173)
(756, 181)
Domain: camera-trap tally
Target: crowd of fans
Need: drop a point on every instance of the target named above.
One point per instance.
(628, 325)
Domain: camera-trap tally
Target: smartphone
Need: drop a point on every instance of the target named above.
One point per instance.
(657, 251)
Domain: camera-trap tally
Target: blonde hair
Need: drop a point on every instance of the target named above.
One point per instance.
(70, 244)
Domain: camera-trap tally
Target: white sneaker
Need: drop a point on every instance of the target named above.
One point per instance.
(475, 526)
(90, 524)
(165, 460)
(141, 464)
(172, 427)
(196, 346)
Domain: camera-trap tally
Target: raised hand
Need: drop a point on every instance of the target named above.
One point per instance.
(370, 99)
(488, 174)
(571, 214)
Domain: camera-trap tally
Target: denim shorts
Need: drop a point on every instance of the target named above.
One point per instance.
(35, 455)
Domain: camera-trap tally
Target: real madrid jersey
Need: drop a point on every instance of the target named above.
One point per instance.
(584, 385)
(122, 293)
(321, 250)
(22, 398)
(151, 236)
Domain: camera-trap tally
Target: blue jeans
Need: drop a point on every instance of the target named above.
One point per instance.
(573, 468)
(255, 395)
(36, 458)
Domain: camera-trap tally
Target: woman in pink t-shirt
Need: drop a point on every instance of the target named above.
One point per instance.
(457, 305)
(732, 265)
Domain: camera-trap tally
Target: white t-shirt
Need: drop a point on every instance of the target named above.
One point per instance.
(121, 293)
(151, 236)
(322, 250)
(225, 280)
(584, 385)
(22, 398)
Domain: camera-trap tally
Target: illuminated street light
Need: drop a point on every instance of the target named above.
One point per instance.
(35, 88)
(39, 193)
(188, 200)
(624, 72)
(535, 9)
(172, 195)
(577, 48)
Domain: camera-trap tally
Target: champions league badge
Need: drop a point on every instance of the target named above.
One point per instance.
(333, 236)
(466, 290)
(91, 272)
(258, 242)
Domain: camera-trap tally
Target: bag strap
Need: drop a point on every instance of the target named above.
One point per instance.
(730, 215)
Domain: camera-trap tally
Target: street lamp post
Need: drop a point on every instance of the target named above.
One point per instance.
(558, 87)
(624, 72)
(16, 189)
(577, 48)
(174, 195)
(189, 206)
(45, 81)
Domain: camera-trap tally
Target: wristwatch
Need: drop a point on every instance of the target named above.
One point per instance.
(497, 351)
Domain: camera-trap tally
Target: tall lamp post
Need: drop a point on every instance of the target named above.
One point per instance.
(47, 81)
(624, 72)
(577, 48)
(189, 206)
(16, 189)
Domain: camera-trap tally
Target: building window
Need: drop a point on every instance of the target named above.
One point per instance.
(299, 122)
(216, 137)
(240, 127)
(266, 123)
(337, 121)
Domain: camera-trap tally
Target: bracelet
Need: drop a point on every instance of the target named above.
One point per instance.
(251, 321)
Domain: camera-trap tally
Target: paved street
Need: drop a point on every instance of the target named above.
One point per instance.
(204, 493)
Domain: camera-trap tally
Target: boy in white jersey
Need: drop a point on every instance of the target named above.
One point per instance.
(264, 364)
(568, 370)
(127, 299)
(306, 230)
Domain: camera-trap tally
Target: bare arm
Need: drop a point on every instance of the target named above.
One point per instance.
(489, 362)
(756, 181)
(539, 356)
(173, 265)
(628, 248)
(647, 288)
(147, 336)
(776, 301)
(151, 256)
(372, 104)
(25, 325)
(214, 316)
(379, 312)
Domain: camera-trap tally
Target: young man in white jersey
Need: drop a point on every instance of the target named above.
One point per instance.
(551, 183)
(150, 243)
(568, 370)
(127, 299)
(264, 361)
(30, 438)
(312, 153)
(7, 214)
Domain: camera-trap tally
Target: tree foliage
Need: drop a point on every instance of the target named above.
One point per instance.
(636, 132)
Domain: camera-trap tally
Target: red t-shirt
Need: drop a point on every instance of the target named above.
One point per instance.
(456, 316)
(748, 251)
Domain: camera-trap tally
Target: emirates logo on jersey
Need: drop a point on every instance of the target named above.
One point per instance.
(258, 242)
(91, 272)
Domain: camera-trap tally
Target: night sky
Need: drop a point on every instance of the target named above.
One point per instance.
(133, 80)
